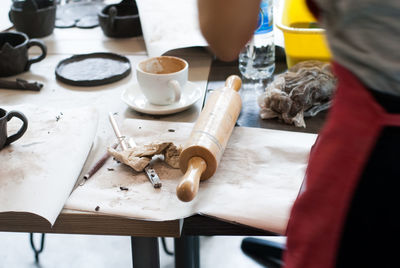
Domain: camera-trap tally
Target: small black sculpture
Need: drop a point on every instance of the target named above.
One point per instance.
(120, 20)
(36, 18)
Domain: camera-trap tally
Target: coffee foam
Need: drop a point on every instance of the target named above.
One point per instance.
(162, 65)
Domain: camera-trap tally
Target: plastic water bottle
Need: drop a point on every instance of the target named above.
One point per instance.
(257, 59)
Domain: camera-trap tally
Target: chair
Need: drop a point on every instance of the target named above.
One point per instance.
(265, 252)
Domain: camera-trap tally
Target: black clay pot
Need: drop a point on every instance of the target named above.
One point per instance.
(36, 18)
(120, 20)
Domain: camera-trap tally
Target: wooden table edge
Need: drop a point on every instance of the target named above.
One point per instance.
(72, 222)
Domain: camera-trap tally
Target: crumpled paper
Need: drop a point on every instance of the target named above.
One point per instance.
(304, 90)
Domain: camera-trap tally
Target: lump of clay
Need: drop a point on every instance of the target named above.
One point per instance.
(139, 157)
(171, 155)
(307, 84)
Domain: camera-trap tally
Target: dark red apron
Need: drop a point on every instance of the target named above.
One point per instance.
(336, 163)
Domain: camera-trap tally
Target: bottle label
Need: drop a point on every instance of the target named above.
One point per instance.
(265, 23)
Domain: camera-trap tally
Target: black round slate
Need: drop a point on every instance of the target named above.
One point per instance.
(64, 23)
(75, 11)
(87, 22)
(93, 69)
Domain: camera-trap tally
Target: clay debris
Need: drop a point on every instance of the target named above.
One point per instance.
(140, 156)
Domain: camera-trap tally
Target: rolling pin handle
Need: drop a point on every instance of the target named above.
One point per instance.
(234, 82)
(188, 187)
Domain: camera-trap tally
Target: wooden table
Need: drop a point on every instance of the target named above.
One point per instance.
(144, 234)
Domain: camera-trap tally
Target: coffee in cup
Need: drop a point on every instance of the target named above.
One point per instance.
(162, 79)
(4, 118)
(14, 57)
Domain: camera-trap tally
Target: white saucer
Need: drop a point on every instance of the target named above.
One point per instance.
(135, 99)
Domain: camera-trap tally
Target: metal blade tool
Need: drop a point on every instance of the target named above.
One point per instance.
(149, 170)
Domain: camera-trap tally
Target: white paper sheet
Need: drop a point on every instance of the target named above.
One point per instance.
(174, 24)
(5, 22)
(39, 171)
(168, 25)
(255, 184)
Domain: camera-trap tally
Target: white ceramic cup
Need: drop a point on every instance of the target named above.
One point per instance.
(162, 79)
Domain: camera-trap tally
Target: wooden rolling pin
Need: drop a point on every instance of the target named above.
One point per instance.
(203, 150)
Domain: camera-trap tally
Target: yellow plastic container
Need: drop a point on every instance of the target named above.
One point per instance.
(302, 42)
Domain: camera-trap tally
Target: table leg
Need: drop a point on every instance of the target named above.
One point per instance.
(37, 251)
(187, 252)
(145, 253)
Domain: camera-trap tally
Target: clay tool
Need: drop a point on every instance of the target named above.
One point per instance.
(97, 166)
(203, 150)
(149, 170)
(121, 139)
(20, 84)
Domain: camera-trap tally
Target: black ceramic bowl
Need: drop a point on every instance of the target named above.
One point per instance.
(36, 18)
(120, 20)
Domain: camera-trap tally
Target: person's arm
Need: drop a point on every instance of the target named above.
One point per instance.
(228, 25)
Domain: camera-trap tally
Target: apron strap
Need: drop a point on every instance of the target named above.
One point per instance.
(335, 165)
(391, 120)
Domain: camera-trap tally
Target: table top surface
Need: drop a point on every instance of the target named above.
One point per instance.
(66, 42)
